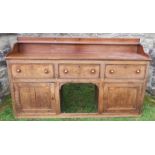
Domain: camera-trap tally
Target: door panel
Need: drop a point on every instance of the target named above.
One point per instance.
(34, 97)
(119, 97)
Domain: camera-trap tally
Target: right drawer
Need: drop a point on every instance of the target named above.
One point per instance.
(125, 71)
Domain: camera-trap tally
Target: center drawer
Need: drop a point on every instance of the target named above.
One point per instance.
(79, 70)
(32, 71)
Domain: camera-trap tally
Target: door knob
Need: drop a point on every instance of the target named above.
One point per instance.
(46, 71)
(111, 71)
(18, 70)
(93, 71)
(65, 71)
(138, 71)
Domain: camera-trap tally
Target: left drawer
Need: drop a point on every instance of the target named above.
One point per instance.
(32, 71)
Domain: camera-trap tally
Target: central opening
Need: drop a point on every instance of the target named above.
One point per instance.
(79, 98)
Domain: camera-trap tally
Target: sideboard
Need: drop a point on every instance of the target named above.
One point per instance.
(39, 67)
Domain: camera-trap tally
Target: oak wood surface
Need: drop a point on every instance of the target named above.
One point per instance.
(121, 97)
(74, 49)
(60, 40)
(39, 67)
(34, 97)
(125, 71)
(32, 71)
(79, 71)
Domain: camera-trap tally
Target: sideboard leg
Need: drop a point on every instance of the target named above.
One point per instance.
(57, 98)
(100, 99)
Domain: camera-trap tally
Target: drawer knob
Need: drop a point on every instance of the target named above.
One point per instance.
(93, 71)
(65, 71)
(18, 70)
(111, 71)
(46, 71)
(138, 71)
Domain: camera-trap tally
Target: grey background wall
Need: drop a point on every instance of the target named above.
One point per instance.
(7, 40)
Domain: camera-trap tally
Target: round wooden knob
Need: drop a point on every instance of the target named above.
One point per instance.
(65, 71)
(112, 71)
(46, 71)
(18, 70)
(138, 71)
(93, 71)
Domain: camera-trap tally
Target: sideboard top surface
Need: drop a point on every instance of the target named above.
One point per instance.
(78, 49)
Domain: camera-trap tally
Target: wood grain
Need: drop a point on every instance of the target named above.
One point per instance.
(121, 97)
(78, 71)
(35, 97)
(39, 67)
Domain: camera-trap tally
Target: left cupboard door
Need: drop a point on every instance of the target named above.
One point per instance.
(34, 98)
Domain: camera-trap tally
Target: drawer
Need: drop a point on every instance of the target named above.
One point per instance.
(32, 71)
(125, 71)
(79, 71)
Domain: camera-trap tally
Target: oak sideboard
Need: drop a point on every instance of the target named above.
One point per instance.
(39, 67)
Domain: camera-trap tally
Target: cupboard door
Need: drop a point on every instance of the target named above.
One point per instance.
(34, 97)
(122, 97)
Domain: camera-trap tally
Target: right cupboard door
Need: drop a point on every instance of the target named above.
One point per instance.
(122, 97)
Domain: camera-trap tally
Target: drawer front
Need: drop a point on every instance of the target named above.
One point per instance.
(125, 71)
(79, 71)
(32, 71)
